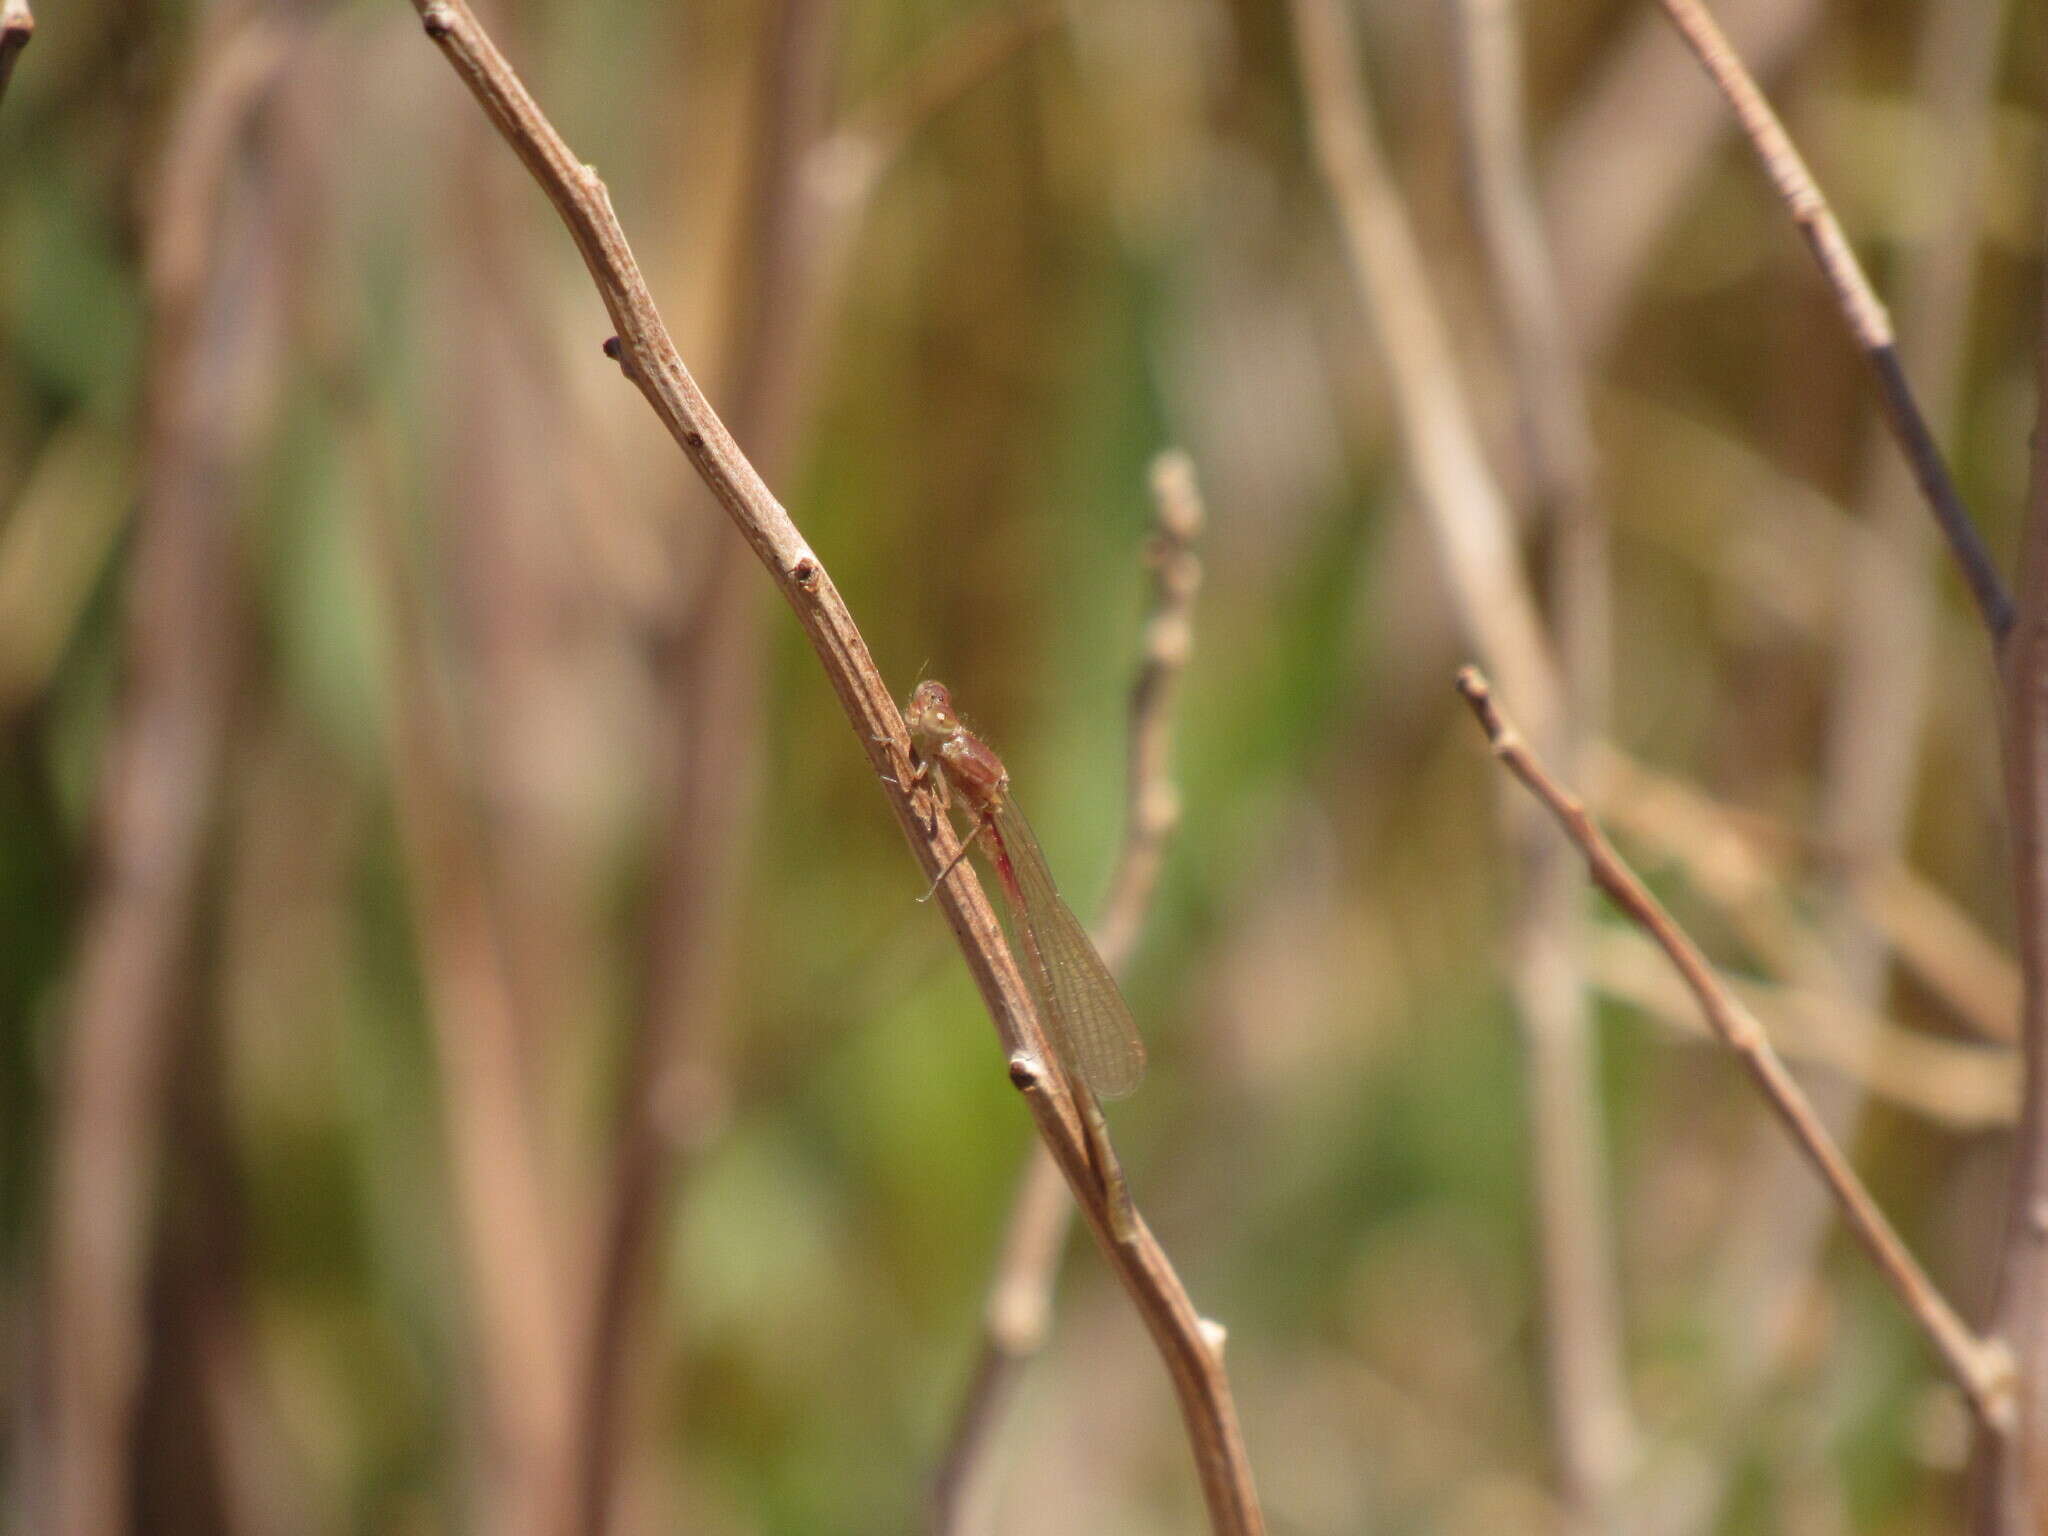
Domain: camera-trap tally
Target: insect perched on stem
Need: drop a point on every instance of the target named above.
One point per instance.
(1085, 1018)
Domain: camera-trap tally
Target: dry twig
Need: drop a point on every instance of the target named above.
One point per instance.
(1869, 324)
(809, 191)
(649, 358)
(512, 1265)
(2016, 1485)
(1019, 1304)
(1887, 620)
(1981, 1367)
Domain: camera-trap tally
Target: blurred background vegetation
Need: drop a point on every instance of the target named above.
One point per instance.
(406, 791)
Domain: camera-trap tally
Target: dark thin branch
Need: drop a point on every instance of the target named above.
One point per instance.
(1981, 1367)
(650, 360)
(1869, 324)
(1887, 619)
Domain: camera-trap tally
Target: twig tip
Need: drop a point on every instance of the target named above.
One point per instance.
(1173, 488)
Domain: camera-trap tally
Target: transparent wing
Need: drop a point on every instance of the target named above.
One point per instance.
(1083, 1008)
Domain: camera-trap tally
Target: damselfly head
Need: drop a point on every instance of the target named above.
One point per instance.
(929, 714)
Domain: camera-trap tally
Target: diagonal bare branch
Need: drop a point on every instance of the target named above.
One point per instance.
(1189, 1346)
(1981, 1367)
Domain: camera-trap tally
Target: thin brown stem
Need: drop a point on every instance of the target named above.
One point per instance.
(650, 360)
(808, 194)
(1550, 386)
(1982, 1368)
(1014, 1317)
(2016, 1481)
(1151, 802)
(1869, 324)
(1876, 733)
(17, 27)
(510, 1261)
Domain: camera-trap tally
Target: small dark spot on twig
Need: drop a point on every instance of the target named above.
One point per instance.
(615, 349)
(437, 21)
(693, 440)
(1024, 1075)
(806, 573)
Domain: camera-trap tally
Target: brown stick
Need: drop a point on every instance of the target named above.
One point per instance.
(17, 27)
(1875, 734)
(1019, 1304)
(649, 358)
(809, 194)
(1981, 1367)
(2016, 1481)
(1869, 325)
(1151, 802)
